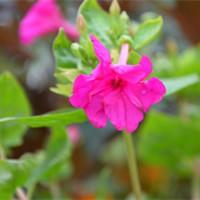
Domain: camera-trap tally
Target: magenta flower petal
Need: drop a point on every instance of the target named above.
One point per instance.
(133, 116)
(42, 18)
(82, 87)
(130, 94)
(149, 92)
(122, 113)
(132, 74)
(135, 73)
(100, 50)
(95, 111)
(115, 110)
(119, 92)
(146, 64)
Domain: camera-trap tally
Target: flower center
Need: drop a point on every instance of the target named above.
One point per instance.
(117, 83)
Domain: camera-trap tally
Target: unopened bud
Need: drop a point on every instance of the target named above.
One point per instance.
(124, 16)
(81, 24)
(78, 51)
(114, 8)
(75, 47)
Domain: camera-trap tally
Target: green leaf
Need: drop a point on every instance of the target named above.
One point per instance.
(56, 155)
(177, 65)
(78, 116)
(107, 27)
(62, 51)
(170, 141)
(95, 19)
(14, 174)
(188, 61)
(50, 119)
(13, 102)
(147, 32)
(175, 84)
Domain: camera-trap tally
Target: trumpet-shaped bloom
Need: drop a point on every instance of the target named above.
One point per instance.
(42, 18)
(116, 92)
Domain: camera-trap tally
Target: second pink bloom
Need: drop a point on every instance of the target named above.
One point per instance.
(42, 18)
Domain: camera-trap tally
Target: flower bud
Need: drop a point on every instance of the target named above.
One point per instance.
(124, 16)
(75, 47)
(114, 8)
(81, 24)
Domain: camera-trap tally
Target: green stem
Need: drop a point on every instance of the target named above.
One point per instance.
(196, 182)
(55, 191)
(195, 188)
(131, 155)
(31, 190)
(2, 154)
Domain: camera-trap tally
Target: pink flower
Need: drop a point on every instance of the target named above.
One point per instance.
(118, 92)
(42, 18)
(74, 133)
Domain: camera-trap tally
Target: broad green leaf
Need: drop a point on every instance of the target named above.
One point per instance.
(95, 19)
(62, 51)
(188, 61)
(146, 32)
(14, 174)
(55, 163)
(66, 63)
(175, 84)
(177, 65)
(13, 102)
(50, 119)
(170, 141)
(78, 116)
(107, 27)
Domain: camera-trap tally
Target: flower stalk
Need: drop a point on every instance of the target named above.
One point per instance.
(2, 154)
(131, 156)
(130, 150)
(196, 181)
